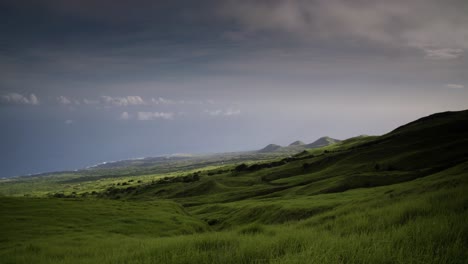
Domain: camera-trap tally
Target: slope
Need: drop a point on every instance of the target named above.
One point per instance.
(402, 155)
(398, 198)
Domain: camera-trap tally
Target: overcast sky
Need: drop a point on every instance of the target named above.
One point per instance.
(88, 81)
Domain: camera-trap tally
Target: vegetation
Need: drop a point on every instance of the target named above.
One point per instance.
(398, 198)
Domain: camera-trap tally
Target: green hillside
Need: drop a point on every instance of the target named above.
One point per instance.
(397, 198)
(322, 142)
(297, 143)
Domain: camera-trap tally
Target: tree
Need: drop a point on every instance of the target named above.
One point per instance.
(241, 167)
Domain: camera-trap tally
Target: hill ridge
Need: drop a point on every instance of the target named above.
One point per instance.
(297, 143)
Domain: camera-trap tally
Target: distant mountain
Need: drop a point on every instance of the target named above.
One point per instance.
(297, 143)
(270, 148)
(298, 146)
(432, 149)
(169, 163)
(322, 142)
(413, 178)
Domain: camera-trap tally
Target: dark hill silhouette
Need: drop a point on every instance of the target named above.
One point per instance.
(322, 142)
(297, 143)
(270, 148)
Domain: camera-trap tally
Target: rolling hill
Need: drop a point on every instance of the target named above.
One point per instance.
(396, 198)
(404, 154)
(297, 143)
(322, 142)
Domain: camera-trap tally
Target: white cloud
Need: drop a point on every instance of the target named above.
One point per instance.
(125, 116)
(64, 100)
(231, 112)
(161, 100)
(68, 122)
(443, 53)
(165, 101)
(135, 100)
(145, 116)
(90, 102)
(455, 86)
(33, 99)
(104, 101)
(16, 98)
(122, 101)
(220, 112)
(214, 112)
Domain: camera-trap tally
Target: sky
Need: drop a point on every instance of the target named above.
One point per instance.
(84, 81)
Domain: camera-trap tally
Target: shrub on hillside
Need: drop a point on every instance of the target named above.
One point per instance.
(241, 167)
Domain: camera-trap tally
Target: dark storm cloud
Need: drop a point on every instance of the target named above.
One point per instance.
(110, 10)
(438, 28)
(109, 42)
(134, 78)
(109, 32)
(67, 42)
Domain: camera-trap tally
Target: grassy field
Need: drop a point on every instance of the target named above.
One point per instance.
(129, 172)
(398, 198)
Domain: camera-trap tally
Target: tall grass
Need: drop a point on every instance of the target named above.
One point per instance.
(405, 223)
(329, 211)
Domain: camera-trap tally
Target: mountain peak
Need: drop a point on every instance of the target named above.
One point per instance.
(297, 143)
(322, 142)
(270, 148)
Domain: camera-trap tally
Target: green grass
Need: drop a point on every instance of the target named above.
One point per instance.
(80, 182)
(423, 221)
(398, 198)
